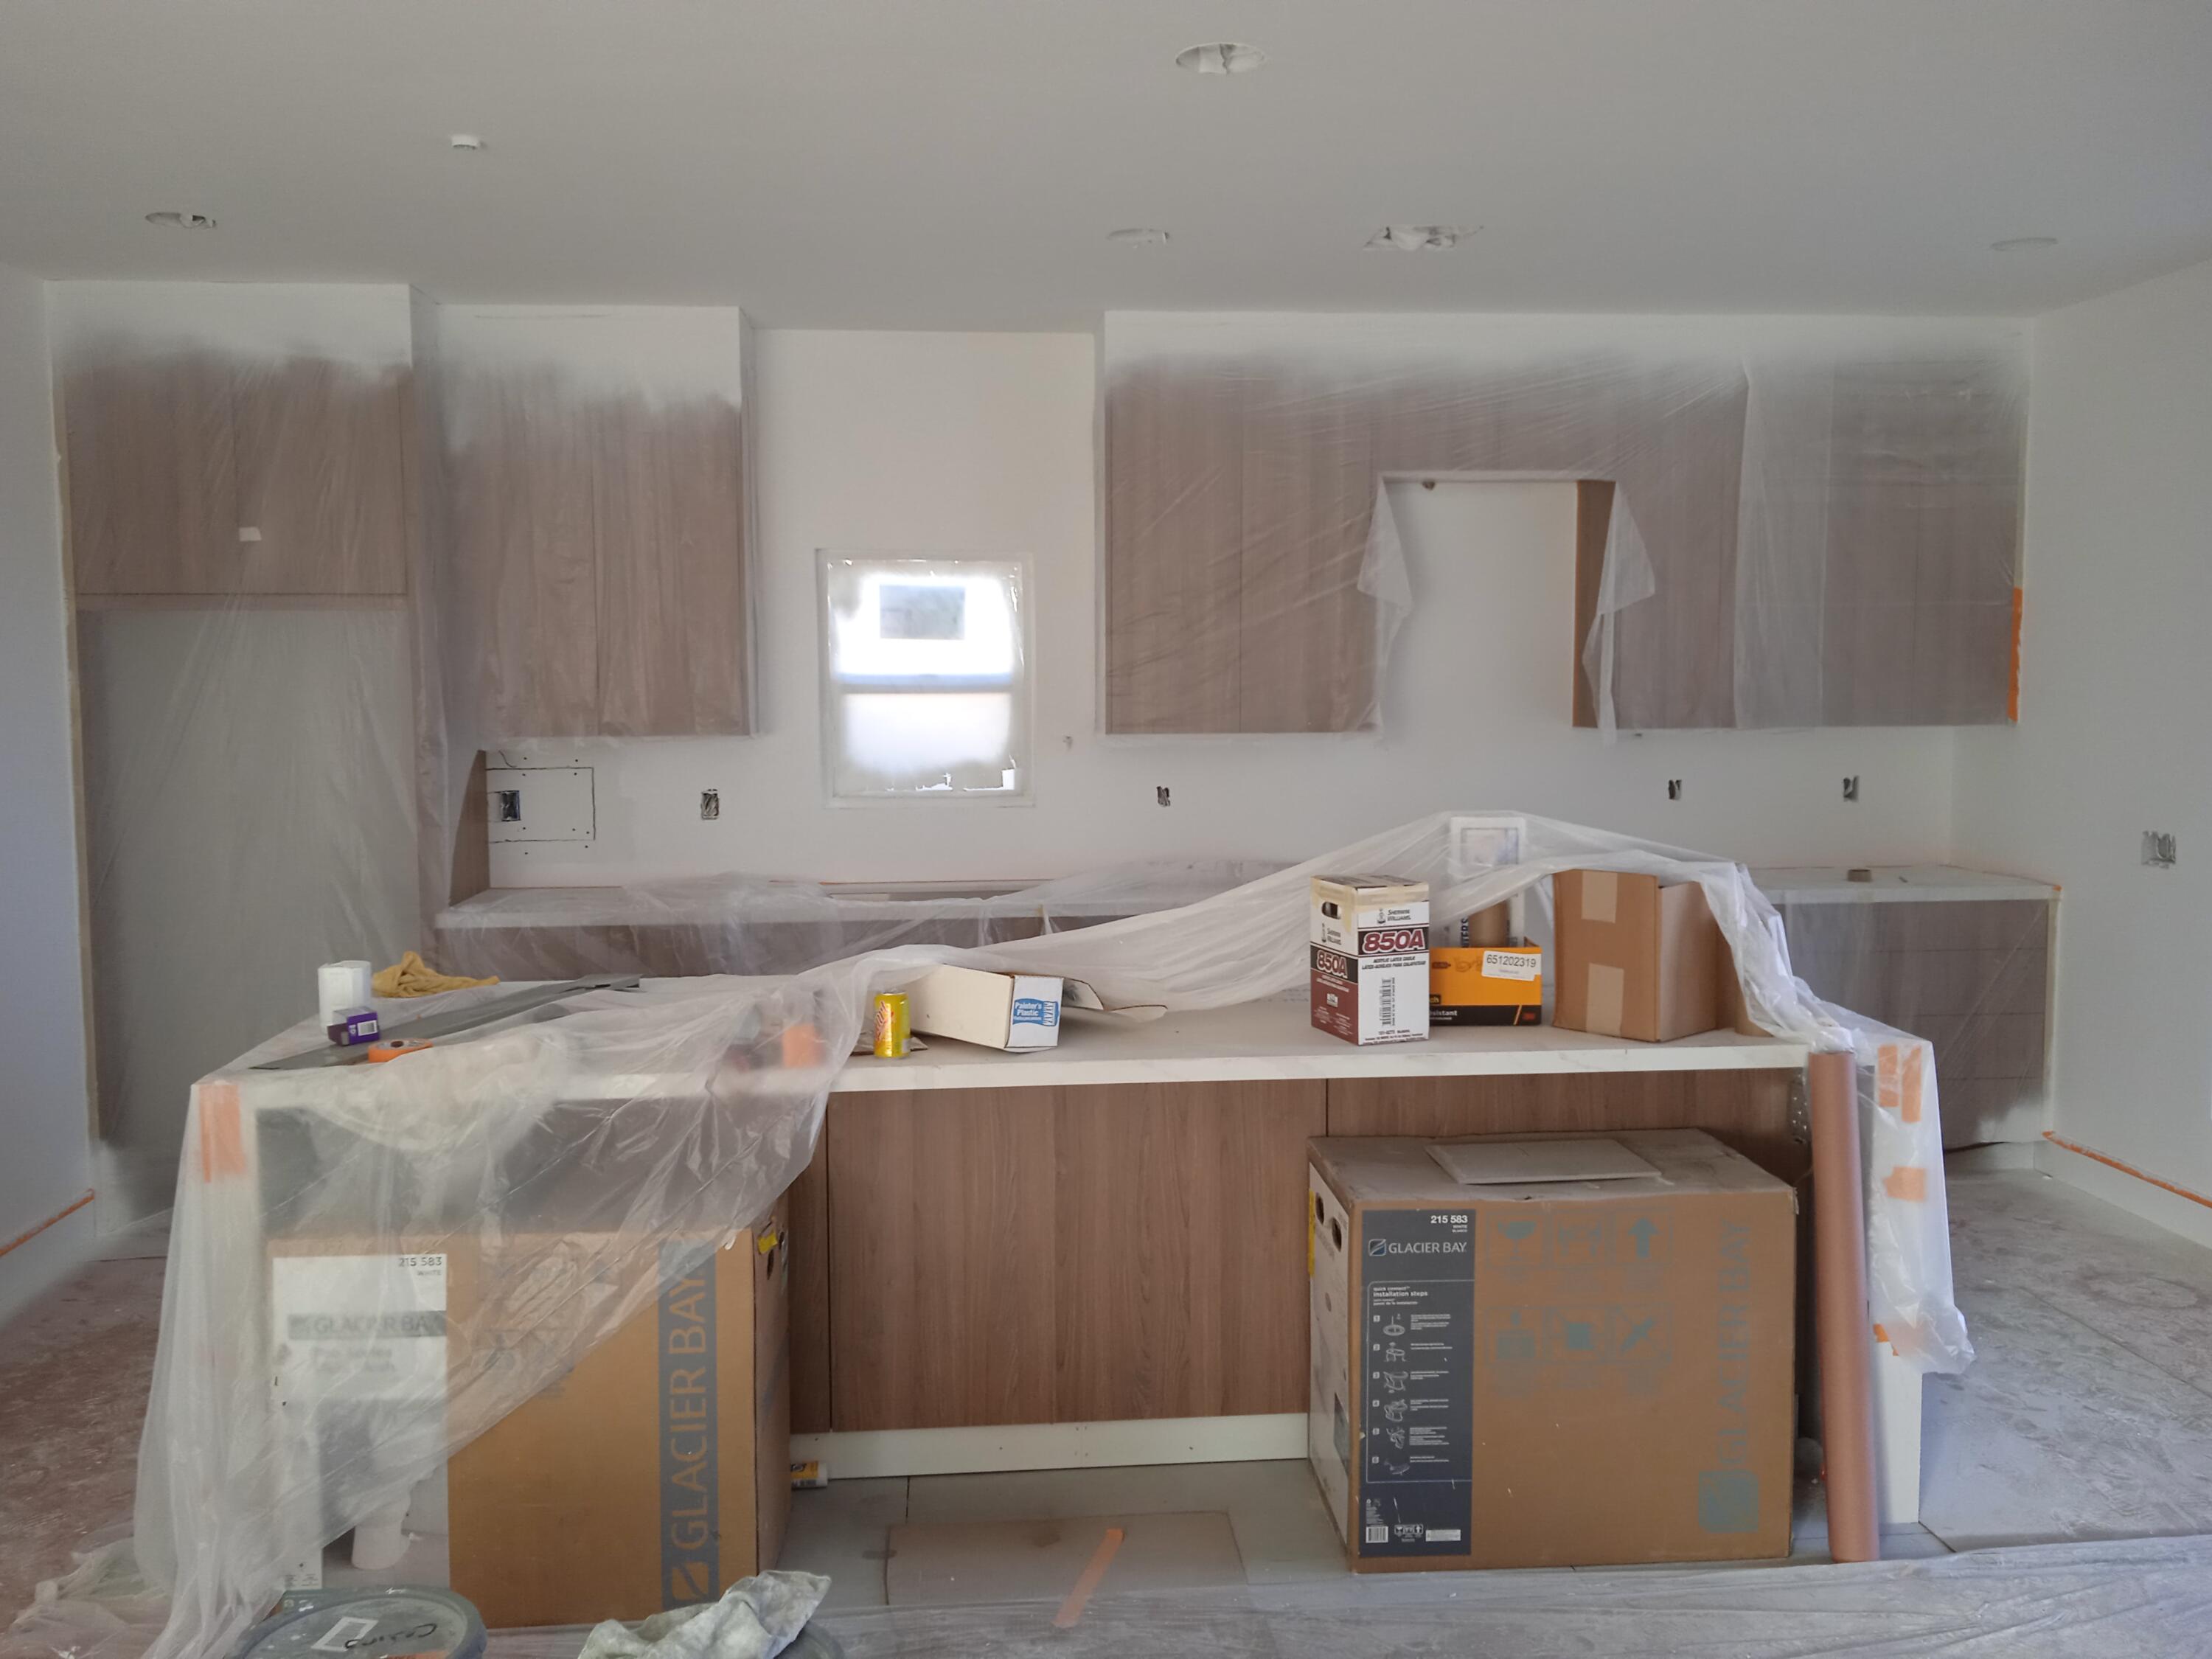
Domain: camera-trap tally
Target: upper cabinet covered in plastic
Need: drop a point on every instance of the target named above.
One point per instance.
(223, 440)
(1812, 521)
(589, 518)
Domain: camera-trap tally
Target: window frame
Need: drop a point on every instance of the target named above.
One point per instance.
(830, 691)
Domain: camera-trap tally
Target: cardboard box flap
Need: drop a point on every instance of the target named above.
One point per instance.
(1524, 1162)
(1078, 994)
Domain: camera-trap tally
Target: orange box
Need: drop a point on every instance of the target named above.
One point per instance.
(1485, 985)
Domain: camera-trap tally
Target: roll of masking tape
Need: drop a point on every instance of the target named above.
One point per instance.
(379, 1052)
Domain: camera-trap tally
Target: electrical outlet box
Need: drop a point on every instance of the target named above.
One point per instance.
(2157, 850)
(541, 803)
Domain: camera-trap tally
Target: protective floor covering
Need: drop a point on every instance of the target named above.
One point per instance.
(2097, 1601)
(2086, 1418)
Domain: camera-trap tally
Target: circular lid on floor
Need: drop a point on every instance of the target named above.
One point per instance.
(398, 1623)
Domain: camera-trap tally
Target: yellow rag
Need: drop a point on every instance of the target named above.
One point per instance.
(411, 976)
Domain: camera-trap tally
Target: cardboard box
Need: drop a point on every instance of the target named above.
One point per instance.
(1368, 956)
(1632, 958)
(1731, 1012)
(997, 1011)
(1488, 985)
(651, 1475)
(1014, 1012)
(1559, 1373)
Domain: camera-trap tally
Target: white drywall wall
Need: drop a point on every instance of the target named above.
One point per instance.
(45, 1131)
(2116, 685)
(982, 443)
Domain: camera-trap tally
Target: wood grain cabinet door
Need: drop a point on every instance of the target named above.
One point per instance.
(151, 465)
(1181, 1249)
(670, 527)
(942, 1298)
(518, 479)
(1070, 1255)
(321, 485)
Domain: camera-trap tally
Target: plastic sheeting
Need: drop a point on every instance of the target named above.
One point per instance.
(237, 531)
(735, 924)
(2141, 1596)
(2145, 1596)
(1970, 970)
(1814, 521)
(655, 1123)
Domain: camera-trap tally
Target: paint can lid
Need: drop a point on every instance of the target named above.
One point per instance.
(396, 1623)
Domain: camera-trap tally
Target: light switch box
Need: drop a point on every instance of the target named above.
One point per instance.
(540, 803)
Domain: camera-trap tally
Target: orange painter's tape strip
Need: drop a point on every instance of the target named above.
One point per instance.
(222, 1138)
(57, 1216)
(1087, 1585)
(1907, 1183)
(2012, 692)
(1910, 1090)
(1886, 1094)
(2128, 1169)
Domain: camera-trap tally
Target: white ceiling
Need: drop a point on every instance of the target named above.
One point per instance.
(957, 163)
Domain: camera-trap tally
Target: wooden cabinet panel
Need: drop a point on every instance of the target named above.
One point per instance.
(670, 518)
(599, 556)
(152, 481)
(1270, 452)
(807, 1209)
(1085, 1254)
(320, 480)
(1748, 1110)
(1180, 1226)
(942, 1289)
(200, 475)
(1175, 537)
(1305, 641)
(524, 563)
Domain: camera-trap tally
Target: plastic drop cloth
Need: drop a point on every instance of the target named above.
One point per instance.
(738, 924)
(663, 1120)
(1813, 521)
(2139, 1597)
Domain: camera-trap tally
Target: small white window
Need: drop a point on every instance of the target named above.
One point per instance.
(925, 686)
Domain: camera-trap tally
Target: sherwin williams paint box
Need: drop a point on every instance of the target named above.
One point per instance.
(1586, 1370)
(1368, 950)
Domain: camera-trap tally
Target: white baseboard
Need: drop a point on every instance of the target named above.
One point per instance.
(44, 1260)
(861, 1456)
(2131, 1192)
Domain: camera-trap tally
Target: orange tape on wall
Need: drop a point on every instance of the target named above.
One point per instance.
(2012, 696)
(2128, 1169)
(30, 1233)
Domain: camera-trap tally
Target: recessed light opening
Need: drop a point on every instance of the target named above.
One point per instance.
(175, 219)
(1139, 236)
(2024, 244)
(1221, 58)
(1421, 238)
(467, 141)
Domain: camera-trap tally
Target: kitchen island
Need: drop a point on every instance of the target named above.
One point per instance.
(1094, 1253)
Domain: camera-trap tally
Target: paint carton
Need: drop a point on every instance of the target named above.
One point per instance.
(1368, 953)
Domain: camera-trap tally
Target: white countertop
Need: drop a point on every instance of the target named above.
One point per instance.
(1271, 1041)
(1274, 1041)
(1892, 883)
